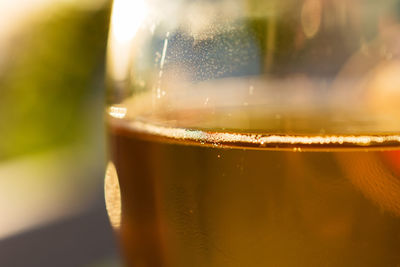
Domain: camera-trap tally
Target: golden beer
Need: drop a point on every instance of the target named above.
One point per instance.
(256, 200)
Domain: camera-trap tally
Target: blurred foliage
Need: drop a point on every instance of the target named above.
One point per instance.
(53, 70)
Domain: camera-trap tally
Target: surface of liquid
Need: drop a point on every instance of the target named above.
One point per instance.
(191, 199)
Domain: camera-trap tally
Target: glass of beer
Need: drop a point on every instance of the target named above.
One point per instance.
(254, 132)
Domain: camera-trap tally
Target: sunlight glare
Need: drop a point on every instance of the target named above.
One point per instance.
(126, 18)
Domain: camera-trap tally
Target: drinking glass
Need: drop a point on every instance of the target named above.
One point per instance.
(254, 132)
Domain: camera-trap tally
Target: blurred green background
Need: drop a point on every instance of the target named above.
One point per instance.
(52, 156)
(50, 72)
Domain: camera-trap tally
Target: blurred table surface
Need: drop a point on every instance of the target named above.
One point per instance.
(84, 239)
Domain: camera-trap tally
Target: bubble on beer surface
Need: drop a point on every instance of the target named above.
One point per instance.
(117, 112)
(112, 196)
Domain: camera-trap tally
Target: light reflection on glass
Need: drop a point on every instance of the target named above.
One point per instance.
(117, 112)
(311, 17)
(112, 196)
(369, 173)
(127, 17)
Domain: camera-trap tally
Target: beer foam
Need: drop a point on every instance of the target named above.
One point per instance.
(271, 141)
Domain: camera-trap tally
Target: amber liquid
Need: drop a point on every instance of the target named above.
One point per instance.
(188, 202)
